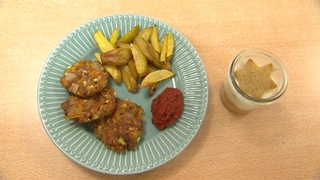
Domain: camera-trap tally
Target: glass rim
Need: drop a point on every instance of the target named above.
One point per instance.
(275, 60)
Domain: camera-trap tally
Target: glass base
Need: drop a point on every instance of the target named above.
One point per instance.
(229, 104)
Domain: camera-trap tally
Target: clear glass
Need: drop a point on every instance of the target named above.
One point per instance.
(237, 100)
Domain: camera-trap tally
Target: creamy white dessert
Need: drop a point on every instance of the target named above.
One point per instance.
(235, 95)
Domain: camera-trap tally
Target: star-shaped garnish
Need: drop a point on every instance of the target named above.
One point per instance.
(255, 80)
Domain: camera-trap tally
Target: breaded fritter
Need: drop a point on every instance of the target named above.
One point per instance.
(85, 78)
(121, 131)
(89, 109)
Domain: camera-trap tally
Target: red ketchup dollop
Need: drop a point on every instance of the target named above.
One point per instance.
(167, 108)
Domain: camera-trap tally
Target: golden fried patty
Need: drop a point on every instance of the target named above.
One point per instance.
(89, 109)
(85, 78)
(123, 129)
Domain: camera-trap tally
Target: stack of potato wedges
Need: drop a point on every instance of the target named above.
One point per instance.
(138, 58)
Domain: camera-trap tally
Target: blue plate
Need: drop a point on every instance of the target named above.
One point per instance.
(156, 147)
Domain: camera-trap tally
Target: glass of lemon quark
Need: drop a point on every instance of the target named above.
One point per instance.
(255, 78)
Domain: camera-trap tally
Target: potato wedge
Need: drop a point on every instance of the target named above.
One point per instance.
(97, 55)
(112, 70)
(155, 77)
(153, 88)
(148, 51)
(104, 45)
(166, 66)
(139, 60)
(133, 69)
(151, 68)
(114, 36)
(154, 39)
(145, 33)
(130, 35)
(116, 57)
(129, 81)
(122, 45)
(164, 47)
(115, 73)
(170, 46)
(102, 42)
